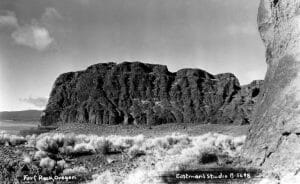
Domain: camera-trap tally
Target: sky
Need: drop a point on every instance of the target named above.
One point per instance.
(41, 39)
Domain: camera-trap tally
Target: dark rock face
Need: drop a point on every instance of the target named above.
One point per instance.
(239, 109)
(138, 93)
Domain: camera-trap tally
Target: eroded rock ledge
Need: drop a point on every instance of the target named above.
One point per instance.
(139, 93)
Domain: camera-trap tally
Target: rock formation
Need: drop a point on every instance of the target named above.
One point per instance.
(273, 141)
(138, 93)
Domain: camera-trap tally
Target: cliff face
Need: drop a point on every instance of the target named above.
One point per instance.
(273, 139)
(138, 93)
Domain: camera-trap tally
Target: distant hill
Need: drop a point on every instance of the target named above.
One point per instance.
(27, 115)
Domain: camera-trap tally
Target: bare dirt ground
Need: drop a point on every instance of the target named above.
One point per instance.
(152, 131)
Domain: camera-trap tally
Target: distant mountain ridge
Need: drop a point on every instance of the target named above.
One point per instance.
(26, 115)
(141, 93)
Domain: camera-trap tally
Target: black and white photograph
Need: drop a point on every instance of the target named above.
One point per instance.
(149, 91)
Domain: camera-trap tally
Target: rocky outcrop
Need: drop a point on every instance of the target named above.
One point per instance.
(273, 141)
(139, 93)
(239, 109)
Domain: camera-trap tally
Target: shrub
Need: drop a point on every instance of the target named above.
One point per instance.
(75, 171)
(26, 158)
(12, 140)
(31, 140)
(170, 153)
(47, 163)
(207, 158)
(62, 164)
(47, 144)
(136, 151)
(105, 178)
(40, 154)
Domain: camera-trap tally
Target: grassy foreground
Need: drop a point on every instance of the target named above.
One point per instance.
(83, 153)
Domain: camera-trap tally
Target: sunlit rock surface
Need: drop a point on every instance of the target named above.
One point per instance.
(274, 137)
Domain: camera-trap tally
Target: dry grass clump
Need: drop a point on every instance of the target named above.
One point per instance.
(152, 156)
(51, 166)
(12, 140)
(169, 141)
(26, 158)
(75, 171)
(31, 140)
(40, 154)
(47, 163)
(136, 151)
(173, 153)
(77, 145)
(62, 164)
(53, 149)
(160, 154)
(105, 178)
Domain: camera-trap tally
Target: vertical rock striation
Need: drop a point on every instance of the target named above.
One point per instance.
(274, 137)
(139, 93)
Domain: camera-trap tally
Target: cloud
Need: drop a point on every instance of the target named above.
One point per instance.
(39, 102)
(8, 19)
(37, 35)
(50, 14)
(34, 36)
(53, 21)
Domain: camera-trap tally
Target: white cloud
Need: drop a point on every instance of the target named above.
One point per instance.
(34, 36)
(8, 19)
